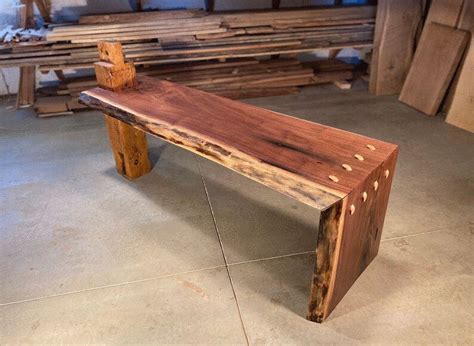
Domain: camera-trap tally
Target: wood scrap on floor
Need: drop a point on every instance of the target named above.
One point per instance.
(436, 59)
(343, 84)
(330, 70)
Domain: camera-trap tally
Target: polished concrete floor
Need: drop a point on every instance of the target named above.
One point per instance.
(88, 257)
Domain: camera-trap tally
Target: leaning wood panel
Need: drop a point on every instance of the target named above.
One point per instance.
(433, 67)
(394, 45)
(445, 12)
(461, 109)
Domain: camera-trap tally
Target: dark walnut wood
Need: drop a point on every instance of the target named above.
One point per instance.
(346, 176)
(293, 156)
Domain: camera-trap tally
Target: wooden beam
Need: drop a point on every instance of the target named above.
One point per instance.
(26, 87)
(394, 45)
(209, 5)
(44, 8)
(129, 145)
(27, 79)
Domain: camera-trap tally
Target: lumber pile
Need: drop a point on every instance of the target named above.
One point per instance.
(216, 52)
(234, 78)
(178, 36)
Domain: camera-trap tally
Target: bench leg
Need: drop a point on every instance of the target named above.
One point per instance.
(128, 143)
(348, 240)
(130, 148)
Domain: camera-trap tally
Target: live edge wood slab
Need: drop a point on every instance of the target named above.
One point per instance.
(346, 176)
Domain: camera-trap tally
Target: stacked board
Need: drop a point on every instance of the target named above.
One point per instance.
(225, 53)
(234, 78)
(151, 38)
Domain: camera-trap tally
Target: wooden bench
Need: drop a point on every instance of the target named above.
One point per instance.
(344, 175)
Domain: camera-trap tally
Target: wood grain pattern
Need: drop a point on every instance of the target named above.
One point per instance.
(394, 41)
(331, 224)
(445, 12)
(129, 145)
(295, 157)
(345, 175)
(349, 238)
(436, 59)
(362, 231)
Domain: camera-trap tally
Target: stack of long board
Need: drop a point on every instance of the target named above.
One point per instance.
(235, 78)
(180, 36)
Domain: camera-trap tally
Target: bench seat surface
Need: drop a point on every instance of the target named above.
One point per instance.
(293, 156)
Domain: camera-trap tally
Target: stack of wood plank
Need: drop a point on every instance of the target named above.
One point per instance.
(216, 52)
(179, 36)
(234, 78)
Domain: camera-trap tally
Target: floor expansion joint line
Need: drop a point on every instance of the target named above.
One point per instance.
(272, 258)
(111, 285)
(426, 232)
(223, 253)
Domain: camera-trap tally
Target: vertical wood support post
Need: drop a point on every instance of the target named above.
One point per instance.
(129, 144)
(348, 239)
(27, 81)
(210, 4)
